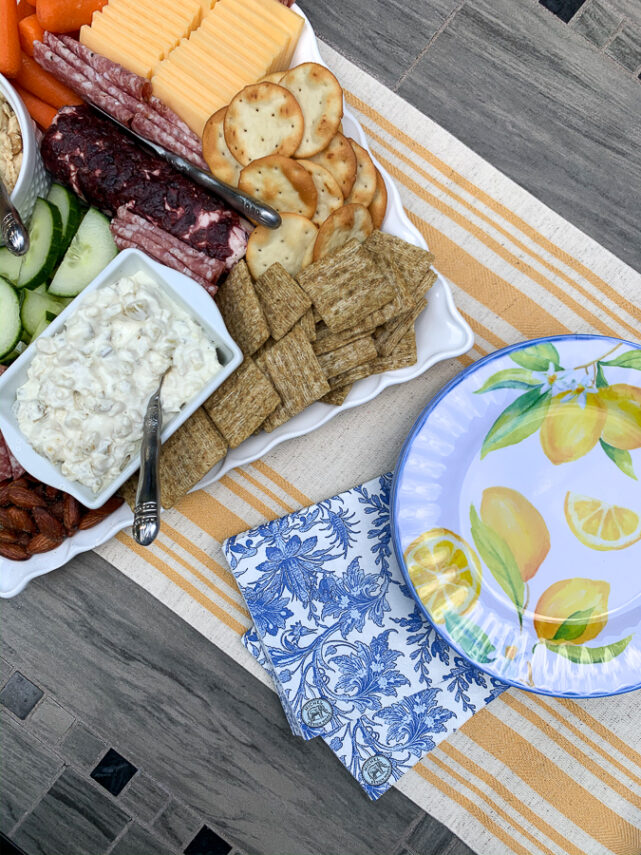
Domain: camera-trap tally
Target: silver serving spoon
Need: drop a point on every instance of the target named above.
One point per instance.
(13, 231)
(147, 510)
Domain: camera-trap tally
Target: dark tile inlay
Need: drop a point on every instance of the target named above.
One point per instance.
(20, 695)
(7, 847)
(564, 9)
(207, 842)
(113, 772)
(73, 810)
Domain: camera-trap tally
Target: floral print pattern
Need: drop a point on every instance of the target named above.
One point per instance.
(352, 658)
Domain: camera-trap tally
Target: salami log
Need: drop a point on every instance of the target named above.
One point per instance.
(108, 170)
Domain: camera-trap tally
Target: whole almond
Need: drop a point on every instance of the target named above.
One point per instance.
(13, 551)
(7, 536)
(4, 498)
(21, 519)
(57, 508)
(71, 513)
(5, 519)
(48, 524)
(23, 497)
(97, 515)
(51, 493)
(42, 543)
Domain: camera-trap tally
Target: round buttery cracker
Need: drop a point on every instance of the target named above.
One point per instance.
(339, 159)
(291, 244)
(345, 224)
(220, 160)
(328, 192)
(364, 187)
(263, 119)
(281, 182)
(321, 99)
(378, 205)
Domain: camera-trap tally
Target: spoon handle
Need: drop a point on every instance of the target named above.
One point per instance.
(147, 511)
(12, 228)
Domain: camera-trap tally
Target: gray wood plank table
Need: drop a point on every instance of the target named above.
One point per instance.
(92, 663)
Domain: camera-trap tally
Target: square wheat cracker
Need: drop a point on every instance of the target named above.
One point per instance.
(242, 403)
(337, 396)
(309, 325)
(187, 455)
(282, 299)
(404, 356)
(410, 263)
(241, 311)
(348, 356)
(390, 334)
(295, 372)
(346, 286)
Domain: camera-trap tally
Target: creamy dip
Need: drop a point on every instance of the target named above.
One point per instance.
(10, 145)
(87, 387)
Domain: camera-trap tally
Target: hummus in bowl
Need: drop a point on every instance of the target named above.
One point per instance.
(10, 145)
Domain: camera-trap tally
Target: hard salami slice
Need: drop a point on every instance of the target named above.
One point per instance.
(17, 469)
(77, 81)
(99, 81)
(159, 107)
(134, 85)
(144, 125)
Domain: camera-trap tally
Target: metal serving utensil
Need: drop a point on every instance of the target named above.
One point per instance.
(13, 230)
(147, 510)
(241, 202)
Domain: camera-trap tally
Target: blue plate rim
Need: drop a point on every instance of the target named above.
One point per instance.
(400, 463)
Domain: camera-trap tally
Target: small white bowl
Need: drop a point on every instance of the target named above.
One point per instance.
(33, 180)
(184, 291)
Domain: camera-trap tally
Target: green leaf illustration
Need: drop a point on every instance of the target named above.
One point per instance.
(573, 626)
(510, 378)
(470, 638)
(589, 655)
(499, 559)
(601, 382)
(629, 359)
(537, 357)
(518, 421)
(621, 457)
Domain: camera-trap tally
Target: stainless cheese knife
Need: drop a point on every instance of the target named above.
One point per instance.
(235, 198)
(147, 509)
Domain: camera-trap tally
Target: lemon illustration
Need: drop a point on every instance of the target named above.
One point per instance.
(569, 429)
(520, 525)
(445, 571)
(572, 610)
(599, 525)
(622, 427)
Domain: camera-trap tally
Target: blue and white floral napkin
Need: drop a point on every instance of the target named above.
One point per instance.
(351, 656)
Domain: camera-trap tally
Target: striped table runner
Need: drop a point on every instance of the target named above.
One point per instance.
(527, 775)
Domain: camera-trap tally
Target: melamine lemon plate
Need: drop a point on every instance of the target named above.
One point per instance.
(516, 515)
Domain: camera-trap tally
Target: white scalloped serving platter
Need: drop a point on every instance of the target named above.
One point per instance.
(441, 333)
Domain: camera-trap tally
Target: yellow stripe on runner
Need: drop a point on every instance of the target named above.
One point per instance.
(256, 483)
(248, 497)
(281, 482)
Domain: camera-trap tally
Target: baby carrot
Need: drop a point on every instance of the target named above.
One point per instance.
(44, 85)
(30, 32)
(9, 38)
(40, 112)
(65, 16)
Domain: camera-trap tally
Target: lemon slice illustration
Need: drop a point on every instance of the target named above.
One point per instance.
(599, 525)
(445, 571)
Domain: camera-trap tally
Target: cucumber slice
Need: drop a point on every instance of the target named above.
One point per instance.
(44, 245)
(14, 354)
(90, 251)
(10, 326)
(35, 307)
(44, 323)
(10, 265)
(70, 209)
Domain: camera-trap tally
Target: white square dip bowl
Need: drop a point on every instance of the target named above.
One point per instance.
(178, 288)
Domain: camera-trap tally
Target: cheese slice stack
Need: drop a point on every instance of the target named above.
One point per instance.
(237, 43)
(138, 34)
